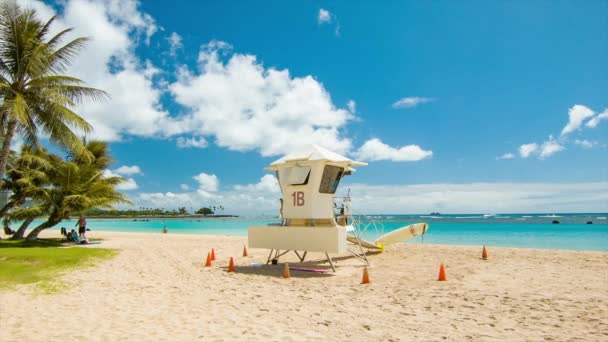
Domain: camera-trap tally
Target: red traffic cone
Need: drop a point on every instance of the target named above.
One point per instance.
(212, 254)
(484, 253)
(208, 262)
(365, 279)
(245, 251)
(286, 271)
(441, 273)
(231, 265)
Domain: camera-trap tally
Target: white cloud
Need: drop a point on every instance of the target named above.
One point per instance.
(324, 16)
(128, 184)
(526, 150)
(549, 148)
(267, 184)
(374, 149)
(577, 114)
(410, 102)
(207, 183)
(352, 106)
(128, 170)
(184, 187)
(191, 142)
(480, 198)
(256, 200)
(585, 143)
(596, 119)
(109, 62)
(506, 156)
(246, 106)
(247, 199)
(175, 43)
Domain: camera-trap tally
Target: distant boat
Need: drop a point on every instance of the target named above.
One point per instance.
(488, 215)
(555, 222)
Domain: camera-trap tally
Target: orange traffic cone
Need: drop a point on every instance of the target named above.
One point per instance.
(365, 279)
(245, 251)
(484, 253)
(286, 271)
(212, 254)
(231, 265)
(208, 262)
(441, 273)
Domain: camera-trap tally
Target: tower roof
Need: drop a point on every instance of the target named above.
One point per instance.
(314, 153)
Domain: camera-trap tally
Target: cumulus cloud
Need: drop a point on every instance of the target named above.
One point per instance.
(128, 184)
(207, 182)
(256, 200)
(526, 150)
(577, 114)
(246, 106)
(324, 16)
(352, 106)
(410, 102)
(585, 143)
(506, 156)
(594, 121)
(480, 198)
(175, 43)
(128, 170)
(267, 184)
(191, 142)
(549, 148)
(184, 187)
(109, 62)
(375, 149)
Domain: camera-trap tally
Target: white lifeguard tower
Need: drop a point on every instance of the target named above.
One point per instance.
(308, 179)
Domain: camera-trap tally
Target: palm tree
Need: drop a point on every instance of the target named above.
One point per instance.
(77, 185)
(27, 173)
(27, 177)
(35, 95)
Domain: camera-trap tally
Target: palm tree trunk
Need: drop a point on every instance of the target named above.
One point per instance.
(21, 231)
(10, 205)
(33, 235)
(6, 147)
(2, 122)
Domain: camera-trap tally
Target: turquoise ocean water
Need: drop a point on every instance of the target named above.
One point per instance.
(508, 230)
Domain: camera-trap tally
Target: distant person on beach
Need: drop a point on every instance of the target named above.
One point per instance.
(82, 226)
(165, 230)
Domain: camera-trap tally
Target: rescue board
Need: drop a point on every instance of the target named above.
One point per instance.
(366, 244)
(402, 234)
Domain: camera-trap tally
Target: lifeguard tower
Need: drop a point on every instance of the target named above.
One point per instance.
(308, 179)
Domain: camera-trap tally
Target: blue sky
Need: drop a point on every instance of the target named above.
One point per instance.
(459, 107)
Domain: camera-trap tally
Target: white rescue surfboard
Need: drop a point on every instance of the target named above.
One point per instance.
(402, 234)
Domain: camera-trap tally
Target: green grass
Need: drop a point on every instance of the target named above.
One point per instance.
(43, 262)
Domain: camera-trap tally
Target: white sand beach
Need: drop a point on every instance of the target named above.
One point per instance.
(156, 289)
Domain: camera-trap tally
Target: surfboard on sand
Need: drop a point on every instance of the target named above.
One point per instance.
(402, 234)
(366, 244)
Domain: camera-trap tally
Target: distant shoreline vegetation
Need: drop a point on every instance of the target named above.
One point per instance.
(154, 213)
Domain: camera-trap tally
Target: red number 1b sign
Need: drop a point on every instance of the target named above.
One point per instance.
(298, 198)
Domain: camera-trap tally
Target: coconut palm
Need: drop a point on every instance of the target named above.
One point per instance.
(77, 185)
(36, 97)
(27, 173)
(27, 176)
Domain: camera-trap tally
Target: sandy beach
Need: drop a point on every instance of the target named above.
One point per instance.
(156, 288)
